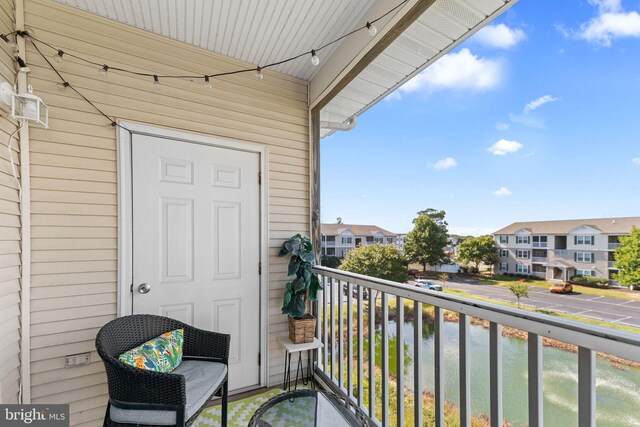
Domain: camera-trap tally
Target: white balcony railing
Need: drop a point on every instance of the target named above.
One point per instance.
(614, 245)
(611, 264)
(560, 252)
(539, 259)
(341, 366)
(539, 244)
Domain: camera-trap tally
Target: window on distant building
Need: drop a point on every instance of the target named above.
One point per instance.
(522, 268)
(539, 241)
(522, 254)
(370, 239)
(331, 251)
(504, 239)
(583, 240)
(379, 239)
(504, 266)
(581, 272)
(389, 239)
(347, 240)
(504, 253)
(331, 238)
(324, 238)
(584, 256)
(523, 239)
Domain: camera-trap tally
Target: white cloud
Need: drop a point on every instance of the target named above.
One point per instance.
(636, 161)
(499, 36)
(457, 71)
(502, 192)
(537, 103)
(502, 126)
(504, 147)
(447, 163)
(611, 23)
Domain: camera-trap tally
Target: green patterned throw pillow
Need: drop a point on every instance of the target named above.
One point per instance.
(161, 354)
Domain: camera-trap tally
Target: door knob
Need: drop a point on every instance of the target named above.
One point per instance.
(144, 288)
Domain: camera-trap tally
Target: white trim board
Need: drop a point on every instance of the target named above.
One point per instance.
(125, 231)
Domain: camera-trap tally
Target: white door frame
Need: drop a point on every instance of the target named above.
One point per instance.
(125, 218)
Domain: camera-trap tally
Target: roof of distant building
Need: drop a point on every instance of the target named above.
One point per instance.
(604, 225)
(358, 230)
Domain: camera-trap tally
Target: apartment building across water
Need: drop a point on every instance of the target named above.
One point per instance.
(557, 250)
(338, 239)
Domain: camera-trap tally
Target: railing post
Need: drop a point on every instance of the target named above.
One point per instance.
(465, 370)
(349, 341)
(495, 373)
(439, 366)
(360, 350)
(417, 363)
(586, 387)
(331, 330)
(400, 360)
(340, 334)
(372, 355)
(325, 322)
(535, 380)
(385, 359)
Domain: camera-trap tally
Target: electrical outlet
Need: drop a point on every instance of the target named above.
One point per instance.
(74, 360)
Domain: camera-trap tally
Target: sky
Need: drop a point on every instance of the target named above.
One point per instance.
(535, 117)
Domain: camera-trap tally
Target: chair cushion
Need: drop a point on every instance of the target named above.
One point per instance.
(202, 378)
(161, 354)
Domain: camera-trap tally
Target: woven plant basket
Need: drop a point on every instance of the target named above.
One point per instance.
(302, 330)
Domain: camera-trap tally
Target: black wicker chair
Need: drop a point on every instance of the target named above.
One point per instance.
(141, 397)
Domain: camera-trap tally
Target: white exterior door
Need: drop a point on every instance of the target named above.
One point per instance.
(196, 242)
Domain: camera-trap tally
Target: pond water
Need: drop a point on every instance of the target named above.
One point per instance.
(617, 390)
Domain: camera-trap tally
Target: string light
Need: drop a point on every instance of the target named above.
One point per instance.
(259, 74)
(58, 57)
(156, 82)
(373, 30)
(207, 83)
(63, 85)
(314, 58)
(104, 70)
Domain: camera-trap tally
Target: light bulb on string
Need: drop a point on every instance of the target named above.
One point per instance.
(104, 70)
(372, 29)
(58, 58)
(314, 58)
(207, 83)
(156, 82)
(63, 85)
(259, 74)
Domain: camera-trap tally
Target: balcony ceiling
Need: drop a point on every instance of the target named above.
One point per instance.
(261, 32)
(255, 31)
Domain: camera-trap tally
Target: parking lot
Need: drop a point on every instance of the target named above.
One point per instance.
(598, 307)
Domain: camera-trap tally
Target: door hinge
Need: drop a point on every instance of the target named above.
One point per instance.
(259, 178)
(259, 268)
(259, 358)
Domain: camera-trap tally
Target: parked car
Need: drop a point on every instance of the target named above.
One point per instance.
(415, 273)
(428, 285)
(354, 292)
(561, 288)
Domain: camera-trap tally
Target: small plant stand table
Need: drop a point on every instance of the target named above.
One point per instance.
(290, 347)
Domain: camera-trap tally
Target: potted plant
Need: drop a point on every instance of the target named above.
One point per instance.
(304, 287)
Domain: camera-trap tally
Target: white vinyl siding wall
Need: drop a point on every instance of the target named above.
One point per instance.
(9, 232)
(74, 200)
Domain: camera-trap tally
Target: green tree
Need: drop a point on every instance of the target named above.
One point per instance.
(628, 259)
(479, 250)
(519, 290)
(381, 261)
(425, 243)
